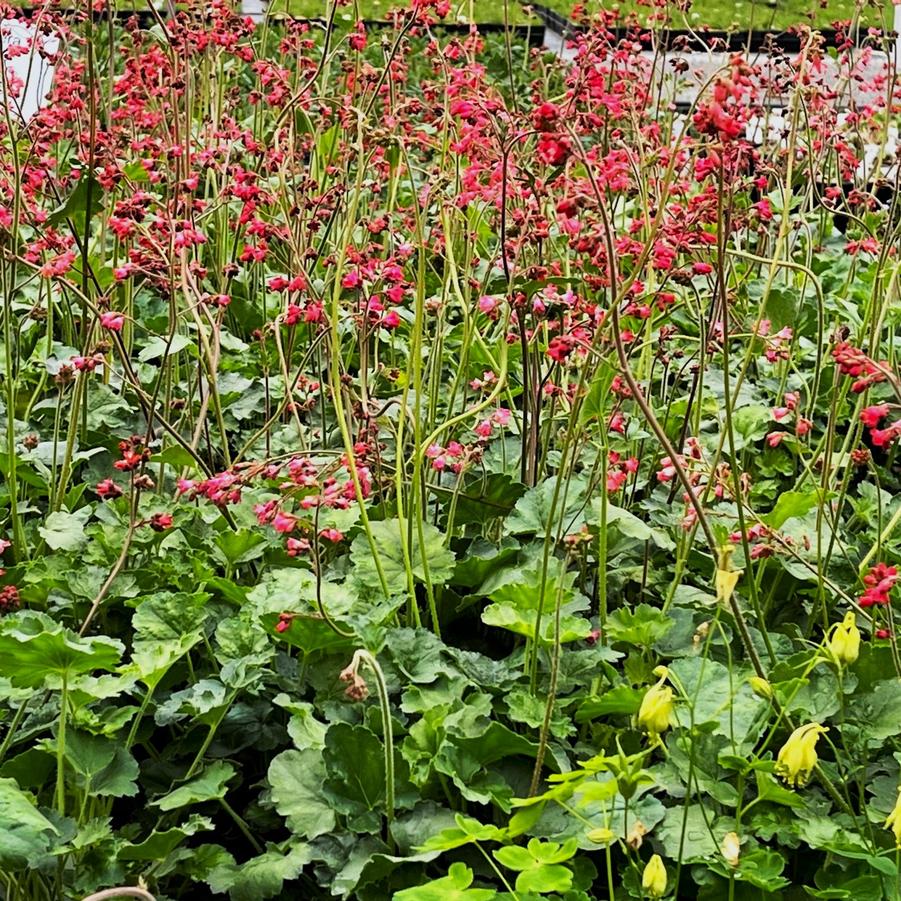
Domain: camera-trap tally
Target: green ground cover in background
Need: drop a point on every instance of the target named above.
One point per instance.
(718, 14)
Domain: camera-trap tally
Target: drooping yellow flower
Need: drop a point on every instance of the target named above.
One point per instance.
(656, 708)
(726, 577)
(731, 848)
(844, 643)
(798, 756)
(653, 880)
(893, 821)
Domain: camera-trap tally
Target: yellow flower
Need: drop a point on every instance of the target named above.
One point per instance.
(653, 880)
(798, 756)
(731, 848)
(761, 687)
(726, 577)
(656, 706)
(601, 836)
(893, 821)
(844, 643)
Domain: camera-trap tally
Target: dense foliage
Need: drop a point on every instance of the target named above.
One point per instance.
(436, 471)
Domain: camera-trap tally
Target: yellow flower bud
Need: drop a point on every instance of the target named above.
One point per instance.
(601, 836)
(731, 848)
(893, 821)
(653, 880)
(656, 708)
(798, 756)
(844, 643)
(761, 687)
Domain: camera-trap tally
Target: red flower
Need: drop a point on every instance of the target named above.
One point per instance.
(159, 522)
(872, 416)
(560, 348)
(9, 599)
(108, 489)
(879, 581)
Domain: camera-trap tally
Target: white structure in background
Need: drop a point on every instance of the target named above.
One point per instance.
(254, 9)
(683, 88)
(897, 27)
(28, 74)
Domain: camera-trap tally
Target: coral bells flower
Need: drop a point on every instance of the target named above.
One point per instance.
(798, 756)
(656, 708)
(844, 643)
(296, 547)
(872, 416)
(284, 522)
(560, 348)
(159, 522)
(879, 581)
(112, 321)
(884, 437)
(284, 622)
(9, 599)
(856, 363)
(108, 489)
(133, 454)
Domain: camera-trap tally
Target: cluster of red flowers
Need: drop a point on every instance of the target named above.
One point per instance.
(854, 362)
(872, 416)
(880, 581)
(134, 454)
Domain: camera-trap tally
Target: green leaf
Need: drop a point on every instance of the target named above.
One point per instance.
(467, 831)
(309, 632)
(162, 347)
(25, 833)
(626, 523)
(640, 626)
(303, 727)
(204, 700)
(768, 789)
(387, 538)
(167, 625)
(355, 785)
(136, 171)
(106, 767)
(517, 593)
(507, 616)
(751, 424)
(719, 695)
(65, 531)
(175, 455)
(484, 500)
(160, 844)
(260, 877)
(878, 711)
(296, 781)
(686, 836)
(829, 834)
(77, 206)
(210, 785)
(791, 505)
(539, 865)
(107, 409)
(453, 887)
(34, 648)
(241, 546)
(482, 558)
(546, 508)
(622, 699)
